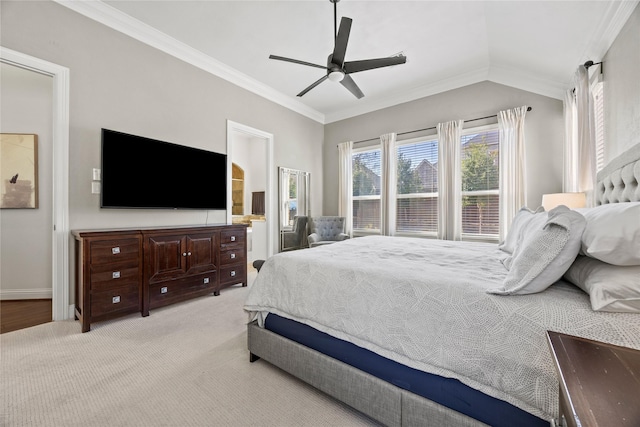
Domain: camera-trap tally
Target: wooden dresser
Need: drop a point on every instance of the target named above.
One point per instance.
(599, 383)
(120, 272)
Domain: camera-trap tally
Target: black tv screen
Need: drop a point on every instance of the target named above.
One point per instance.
(140, 172)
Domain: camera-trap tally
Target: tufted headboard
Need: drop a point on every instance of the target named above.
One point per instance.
(617, 182)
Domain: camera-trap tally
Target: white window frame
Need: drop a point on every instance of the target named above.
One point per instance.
(367, 231)
(428, 234)
(479, 237)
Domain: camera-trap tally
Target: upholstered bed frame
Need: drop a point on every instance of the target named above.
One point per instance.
(617, 182)
(384, 402)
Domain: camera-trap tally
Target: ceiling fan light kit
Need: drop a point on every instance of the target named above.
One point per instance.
(337, 69)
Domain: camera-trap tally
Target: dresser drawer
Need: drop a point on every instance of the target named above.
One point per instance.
(233, 274)
(171, 291)
(232, 255)
(115, 277)
(108, 251)
(234, 236)
(117, 300)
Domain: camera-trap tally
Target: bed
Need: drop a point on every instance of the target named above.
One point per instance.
(416, 332)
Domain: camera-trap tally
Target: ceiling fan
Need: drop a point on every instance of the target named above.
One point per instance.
(337, 69)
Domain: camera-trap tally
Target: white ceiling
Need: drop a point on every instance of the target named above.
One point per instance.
(532, 45)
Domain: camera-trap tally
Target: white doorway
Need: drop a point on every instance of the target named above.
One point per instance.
(239, 132)
(61, 309)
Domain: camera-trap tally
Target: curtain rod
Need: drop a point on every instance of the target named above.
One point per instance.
(431, 128)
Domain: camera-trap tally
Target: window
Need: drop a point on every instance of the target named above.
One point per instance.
(366, 190)
(598, 109)
(480, 171)
(417, 186)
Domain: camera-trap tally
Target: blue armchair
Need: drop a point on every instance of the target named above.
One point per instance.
(326, 230)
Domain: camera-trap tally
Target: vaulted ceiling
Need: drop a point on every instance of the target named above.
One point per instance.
(531, 45)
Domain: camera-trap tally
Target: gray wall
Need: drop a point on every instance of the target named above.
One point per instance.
(622, 89)
(122, 84)
(543, 129)
(26, 100)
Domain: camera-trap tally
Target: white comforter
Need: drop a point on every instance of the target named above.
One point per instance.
(423, 303)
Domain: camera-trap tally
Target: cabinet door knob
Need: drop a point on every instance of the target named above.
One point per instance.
(115, 250)
(189, 253)
(184, 254)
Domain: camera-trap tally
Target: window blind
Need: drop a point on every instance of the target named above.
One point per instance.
(480, 170)
(598, 97)
(417, 186)
(366, 172)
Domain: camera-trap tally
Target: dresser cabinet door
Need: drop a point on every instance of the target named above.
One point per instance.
(201, 252)
(166, 257)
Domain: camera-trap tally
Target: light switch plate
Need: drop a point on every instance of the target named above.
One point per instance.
(96, 174)
(95, 188)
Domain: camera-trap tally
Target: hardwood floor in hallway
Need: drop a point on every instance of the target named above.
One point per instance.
(20, 314)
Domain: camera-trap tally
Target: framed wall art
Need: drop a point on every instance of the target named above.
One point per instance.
(18, 171)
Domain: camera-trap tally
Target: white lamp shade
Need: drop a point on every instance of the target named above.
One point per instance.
(570, 200)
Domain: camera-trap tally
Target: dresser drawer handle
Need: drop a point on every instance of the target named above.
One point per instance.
(233, 273)
(233, 238)
(115, 299)
(163, 290)
(233, 256)
(116, 250)
(115, 274)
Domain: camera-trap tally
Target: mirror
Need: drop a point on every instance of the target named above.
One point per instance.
(293, 201)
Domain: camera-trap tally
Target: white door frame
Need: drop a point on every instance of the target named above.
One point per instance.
(60, 262)
(238, 128)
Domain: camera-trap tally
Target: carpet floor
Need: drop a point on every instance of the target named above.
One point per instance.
(184, 365)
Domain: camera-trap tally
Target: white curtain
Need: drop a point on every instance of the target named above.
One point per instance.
(388, 187)
(570, 160)
(579, 153)
(513, 189)
(345, 185)
(449, 181)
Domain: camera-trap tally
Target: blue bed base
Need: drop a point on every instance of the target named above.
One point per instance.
(448, 392)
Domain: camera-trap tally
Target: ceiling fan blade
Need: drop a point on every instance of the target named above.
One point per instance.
(340, 49)
(352, 86)
(370, 64)
(295, 61)
(314, 84)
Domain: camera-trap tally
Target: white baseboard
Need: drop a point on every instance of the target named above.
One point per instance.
(13, 294)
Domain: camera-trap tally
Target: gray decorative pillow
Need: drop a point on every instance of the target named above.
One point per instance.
(544, 254)
(610, 287)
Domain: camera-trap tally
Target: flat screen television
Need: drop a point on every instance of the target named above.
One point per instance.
(144, 173)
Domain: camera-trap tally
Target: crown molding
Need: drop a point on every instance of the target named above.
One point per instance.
(525, 80)
(119, 21)
(607, 31)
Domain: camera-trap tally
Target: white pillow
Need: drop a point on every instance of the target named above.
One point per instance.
(610, 287)
(545, 253)
(520, 221)
(613, 233)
